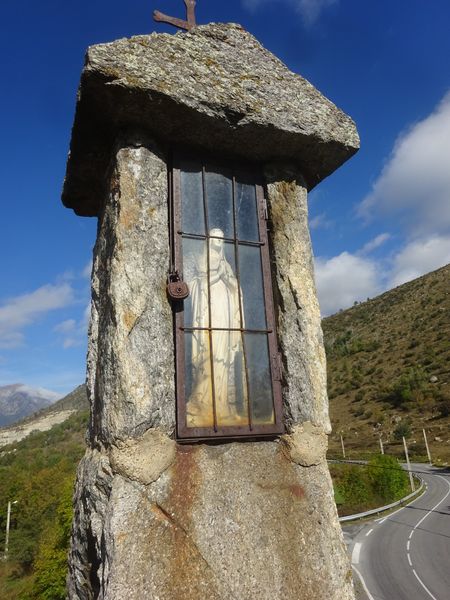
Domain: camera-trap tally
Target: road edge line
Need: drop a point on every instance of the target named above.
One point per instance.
(363, 583)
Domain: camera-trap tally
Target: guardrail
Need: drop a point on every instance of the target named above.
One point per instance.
(375, 511)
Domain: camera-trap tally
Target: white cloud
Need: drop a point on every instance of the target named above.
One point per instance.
(344, 279)
(420, 257)
(74, 332)
(310, 10)
(375, 243)
(11, 339)
(320, 221)
(414, 186)
(86, 272)
(65, 326)
(415, 182)
(22, 310)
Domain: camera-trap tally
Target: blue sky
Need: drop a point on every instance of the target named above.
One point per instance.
(382, 219)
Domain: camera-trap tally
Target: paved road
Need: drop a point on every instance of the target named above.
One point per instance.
(406, 556)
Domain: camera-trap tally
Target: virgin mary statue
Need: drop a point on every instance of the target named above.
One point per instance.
(226, 347)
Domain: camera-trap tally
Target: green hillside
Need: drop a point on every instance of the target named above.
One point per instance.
(389, 369)
(38, 474)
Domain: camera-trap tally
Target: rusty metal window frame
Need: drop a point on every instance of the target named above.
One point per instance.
(252, 430)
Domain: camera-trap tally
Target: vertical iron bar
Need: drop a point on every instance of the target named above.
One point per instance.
(268, 302)
(175, 200)
(211, 355)
(241, 317)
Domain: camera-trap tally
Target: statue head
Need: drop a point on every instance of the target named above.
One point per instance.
(215, 242)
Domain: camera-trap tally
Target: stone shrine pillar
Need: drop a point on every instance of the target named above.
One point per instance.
(205, 475)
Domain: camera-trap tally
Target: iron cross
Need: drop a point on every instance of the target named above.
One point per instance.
(190, 17)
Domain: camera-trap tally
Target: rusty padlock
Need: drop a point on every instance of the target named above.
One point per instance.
(176, 288)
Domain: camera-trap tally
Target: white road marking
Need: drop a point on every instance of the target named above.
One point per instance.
(434, 507)
(383, 519)
(355, 553)
(424, 586)
(410, 534)
(409, 559)
(361, 578)
(419, 523)
(408, 543)
(369, 532)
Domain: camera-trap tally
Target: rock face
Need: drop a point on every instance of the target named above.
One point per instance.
(215, 86)
(234, 521)
(155, 518)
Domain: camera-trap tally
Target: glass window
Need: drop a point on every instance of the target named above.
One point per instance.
(227, 384)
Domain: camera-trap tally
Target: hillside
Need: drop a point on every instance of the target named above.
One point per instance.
(19, 400)
(37, 475)
(46, 418)
(389, 369)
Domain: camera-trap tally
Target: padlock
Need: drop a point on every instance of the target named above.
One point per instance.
(176, 289)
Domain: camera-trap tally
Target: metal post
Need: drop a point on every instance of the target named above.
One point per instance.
(8, 522)
(426, 444)
(8, 519)
(411, 480)
(343, 448)
(381, 445)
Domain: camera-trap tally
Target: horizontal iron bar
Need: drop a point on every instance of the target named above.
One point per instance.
(199, 236)
(242, 330)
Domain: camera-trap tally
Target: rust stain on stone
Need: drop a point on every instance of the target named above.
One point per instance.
(297, 491)
(185, 476)
(191, 576)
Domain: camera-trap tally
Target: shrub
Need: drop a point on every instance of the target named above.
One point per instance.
(444, 408)
(387, 478)
(403, 429)
(408, 387)
(355, 486)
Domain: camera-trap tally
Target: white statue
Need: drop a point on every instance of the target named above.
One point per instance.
(226, 345)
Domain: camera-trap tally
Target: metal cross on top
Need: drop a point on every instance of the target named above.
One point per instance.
(190, 17)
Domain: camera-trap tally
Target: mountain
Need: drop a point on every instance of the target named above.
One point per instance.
(45, 418)
(19, 400)
(389, 369)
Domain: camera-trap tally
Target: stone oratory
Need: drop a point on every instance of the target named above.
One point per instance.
(205, 474)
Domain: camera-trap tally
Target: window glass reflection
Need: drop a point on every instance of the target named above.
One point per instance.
(252, 287)
(227, 379)
(192, 213)
(219, 197)
(259, 379)
(246, 215)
